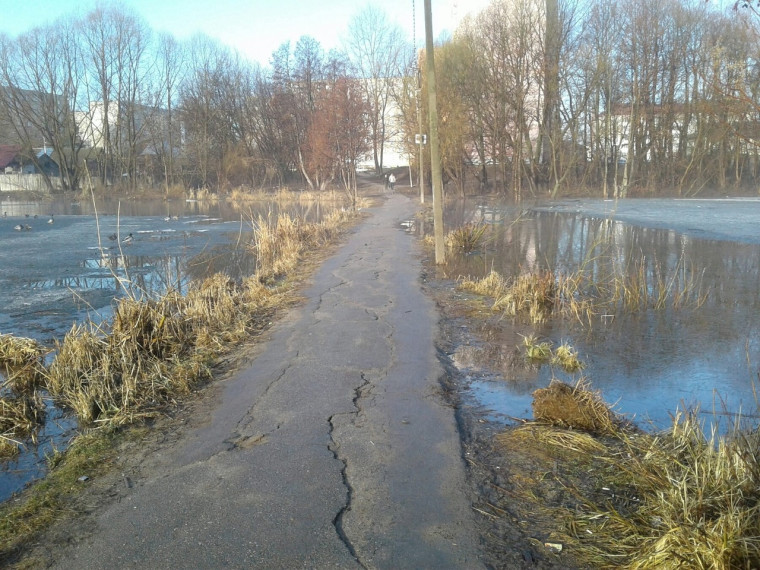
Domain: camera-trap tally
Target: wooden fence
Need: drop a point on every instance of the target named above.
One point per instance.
(26, 182)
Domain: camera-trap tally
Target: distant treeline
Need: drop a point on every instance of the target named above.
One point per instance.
(534, 96)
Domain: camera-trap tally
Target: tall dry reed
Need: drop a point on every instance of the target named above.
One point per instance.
(154, 350)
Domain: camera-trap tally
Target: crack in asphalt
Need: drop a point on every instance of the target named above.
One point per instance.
(238, 439)
(321, 297)
(334, 448)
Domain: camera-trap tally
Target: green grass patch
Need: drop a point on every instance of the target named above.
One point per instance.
(22, 518)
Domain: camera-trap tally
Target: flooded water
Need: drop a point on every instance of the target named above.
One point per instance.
(68, 264)
(700, 351)
(56, 273)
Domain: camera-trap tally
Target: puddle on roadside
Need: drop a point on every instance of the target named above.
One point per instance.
(648, 363)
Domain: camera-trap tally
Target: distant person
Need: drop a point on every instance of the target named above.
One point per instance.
(385, 178)
(392, 181)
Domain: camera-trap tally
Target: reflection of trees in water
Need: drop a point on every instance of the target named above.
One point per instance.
(151, 275)
(237, 261)
(141, 274)
(652, 359)
(725, 274)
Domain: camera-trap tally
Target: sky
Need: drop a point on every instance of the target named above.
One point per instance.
(256, 28)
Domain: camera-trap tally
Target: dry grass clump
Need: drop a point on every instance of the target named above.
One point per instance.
(575, 407)
(492, 285)
(21, 407)
(18, 351)
(279, 243)
(126, 373)
(321, 233)
(20, 416)
(151, 351)
(277, 246)
(21, 362)
(677, 499)
(534, 294)
(578, 441)
(577, 295)
(215, 312)
(467, 238)
(681, 499)
(537, 351)
(566, 357)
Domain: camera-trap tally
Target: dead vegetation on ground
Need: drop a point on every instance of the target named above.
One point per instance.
(680, 498)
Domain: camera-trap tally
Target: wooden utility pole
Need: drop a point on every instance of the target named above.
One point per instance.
(435, 158)
(421, 141)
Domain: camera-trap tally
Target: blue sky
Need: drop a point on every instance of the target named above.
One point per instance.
(254, 27)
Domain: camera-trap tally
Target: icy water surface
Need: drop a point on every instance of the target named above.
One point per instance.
(649, 362)
(63, 267)
(56, 273)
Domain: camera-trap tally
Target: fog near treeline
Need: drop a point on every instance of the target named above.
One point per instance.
(535, 98)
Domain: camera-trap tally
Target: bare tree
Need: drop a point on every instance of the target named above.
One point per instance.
(376, 48)
(41, 73)
(164, 127)
(115, 44)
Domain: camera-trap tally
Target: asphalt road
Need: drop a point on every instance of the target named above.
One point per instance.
(334, 449)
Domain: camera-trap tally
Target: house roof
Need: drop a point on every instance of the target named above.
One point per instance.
(48, 150)
(8, 154)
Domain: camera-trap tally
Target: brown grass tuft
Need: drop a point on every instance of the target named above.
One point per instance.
(534, 294)
(21, 363)
(492, 285)
(20, 417)
(467, 238)
(537, 351)
(576, 407)
(566, 357)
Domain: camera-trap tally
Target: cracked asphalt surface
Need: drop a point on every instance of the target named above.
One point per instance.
(334, 448)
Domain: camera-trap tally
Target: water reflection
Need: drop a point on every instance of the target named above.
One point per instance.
(695, 343)
(157, 207)
(59, 273)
